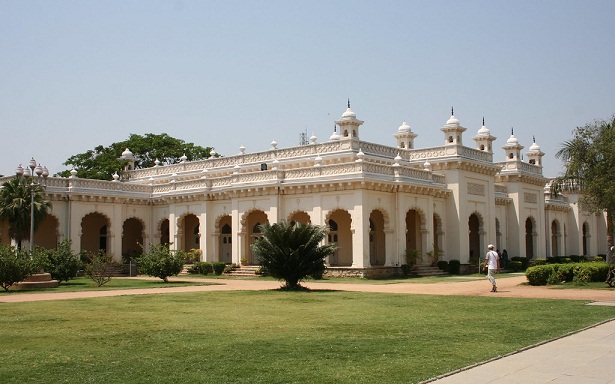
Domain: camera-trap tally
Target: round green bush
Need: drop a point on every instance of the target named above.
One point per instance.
(454, 267)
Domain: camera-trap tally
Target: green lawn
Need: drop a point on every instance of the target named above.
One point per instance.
(87, 284)
(271, 336)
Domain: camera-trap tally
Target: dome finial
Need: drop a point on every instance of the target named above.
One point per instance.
(334, 127)
(512, 131)
(483, 120)
(349, 102)
(452, 112)
(534, 138)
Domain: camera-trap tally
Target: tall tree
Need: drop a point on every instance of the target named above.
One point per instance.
(102, 162)
(590, 168)
(292, 252)
(15, 199)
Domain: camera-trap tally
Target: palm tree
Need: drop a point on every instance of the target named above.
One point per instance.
(292, 252)
(15, 197)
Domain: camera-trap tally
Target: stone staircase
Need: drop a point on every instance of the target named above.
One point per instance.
(244, 271)
(427, 270)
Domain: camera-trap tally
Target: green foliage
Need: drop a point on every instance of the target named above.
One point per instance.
(598, 258)
(99, 267)
(411, 256)
(203, 267)
(15, 202)
(161, 262)
(539, 274)
(15, 265)
(454, 267)
(443, 265)
(219, 267)
(516, 265)
(406, 269)
(525, 262)
(540, 261)
(580, 273)
(589, 159)
(292, 252)
(102, 162)
(61, 262)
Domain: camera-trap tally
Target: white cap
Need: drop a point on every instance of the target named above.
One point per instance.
(490, 246)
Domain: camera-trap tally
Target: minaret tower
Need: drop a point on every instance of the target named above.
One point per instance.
(349, 124)
(453, 131)
(535, 154)
(512, 148)
(405, 137)
(484, 139)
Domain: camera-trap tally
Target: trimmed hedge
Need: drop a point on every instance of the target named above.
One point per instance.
(443, 265)
(454, 267)
(218, 267)
(525, 262)
(557, 273)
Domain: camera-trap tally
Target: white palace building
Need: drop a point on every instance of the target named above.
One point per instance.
(378, 201)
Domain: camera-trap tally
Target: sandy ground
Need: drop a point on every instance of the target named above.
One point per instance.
(507, 287)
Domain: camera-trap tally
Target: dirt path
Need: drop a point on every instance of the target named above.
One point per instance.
(507, 287)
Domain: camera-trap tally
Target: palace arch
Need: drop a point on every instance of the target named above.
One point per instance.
(95, 232)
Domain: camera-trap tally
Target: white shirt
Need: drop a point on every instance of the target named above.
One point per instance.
(492, 258)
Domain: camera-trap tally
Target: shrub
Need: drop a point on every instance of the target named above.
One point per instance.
(583, 259)
(582, 276)
(574, 258)
(540, 261)
(566, 271)
(411, 256)
(406, 269)
(161, 262)
(551, 260)
(99, 267)
(598, 258)
(61, 262)
(443, 265)
(565, 260)
(555, 277)
(516, 265)
(539, 274)
(525, 262)
(229, 268)
(454, 267)
(203, 267)
(15, 265)
(218, 267)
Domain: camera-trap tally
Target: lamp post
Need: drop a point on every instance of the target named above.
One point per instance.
(41, 175)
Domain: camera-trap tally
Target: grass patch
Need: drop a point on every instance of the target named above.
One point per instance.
(87, 284)
(272, 336)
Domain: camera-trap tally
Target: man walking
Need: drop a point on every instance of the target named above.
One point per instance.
(492, 265)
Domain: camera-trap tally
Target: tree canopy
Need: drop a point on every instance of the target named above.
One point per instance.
(590, 168)
(102, 162)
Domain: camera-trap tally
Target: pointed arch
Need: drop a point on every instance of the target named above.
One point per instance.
(95, 232)
(188, 232)
(299, 217)
(340, 232)
(250, 222)
(133, 230)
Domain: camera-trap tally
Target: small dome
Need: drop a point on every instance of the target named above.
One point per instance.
(512, 140)
(127, 154)
(349, 114)
(404, 128)
(334, 136)
(452, 121)
(535, 148)
(484, 131)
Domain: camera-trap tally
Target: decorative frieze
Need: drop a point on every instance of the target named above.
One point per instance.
(476, 189)
(531, 198)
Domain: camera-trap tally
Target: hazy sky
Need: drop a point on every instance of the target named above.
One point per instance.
(77, 74)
